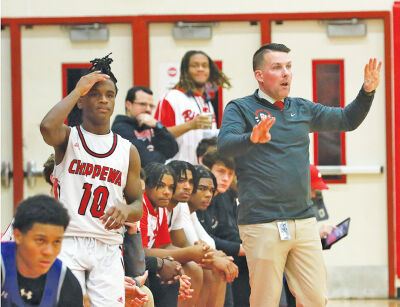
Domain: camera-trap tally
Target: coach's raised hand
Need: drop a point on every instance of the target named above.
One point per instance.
(372, 75)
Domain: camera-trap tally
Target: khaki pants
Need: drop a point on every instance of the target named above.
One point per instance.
(300, 258)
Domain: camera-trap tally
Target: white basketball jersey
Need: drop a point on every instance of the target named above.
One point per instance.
(90, 179)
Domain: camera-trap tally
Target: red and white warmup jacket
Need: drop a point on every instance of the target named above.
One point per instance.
(176, 108)
(153, 225)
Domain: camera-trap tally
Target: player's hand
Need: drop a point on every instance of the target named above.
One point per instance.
(184, 290)
(201, 122)
(131, 228)
(198, 251)
(260, 132)
(325, 230)
(226, 269)
(134, 297)
(170, 271)
(372, 75)
(114, 217)
(242, 252)
(146, 119)
(86, 82)
(142, 278)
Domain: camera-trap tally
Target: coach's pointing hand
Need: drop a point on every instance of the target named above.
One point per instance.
(114, 217)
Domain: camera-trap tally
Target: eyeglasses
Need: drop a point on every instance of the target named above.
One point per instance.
(145, 105)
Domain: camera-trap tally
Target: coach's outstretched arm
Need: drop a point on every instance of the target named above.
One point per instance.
(350, 117)
(54, 131)
(116, 216)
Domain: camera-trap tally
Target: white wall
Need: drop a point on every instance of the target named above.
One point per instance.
(44, 8)
(231, 42)
(6, 124)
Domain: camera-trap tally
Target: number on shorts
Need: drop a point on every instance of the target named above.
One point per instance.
(100, 197)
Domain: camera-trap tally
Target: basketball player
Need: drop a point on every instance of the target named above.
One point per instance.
(95, 169)
(31, 274)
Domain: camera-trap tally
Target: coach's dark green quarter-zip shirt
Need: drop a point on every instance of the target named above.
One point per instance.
(274, 178)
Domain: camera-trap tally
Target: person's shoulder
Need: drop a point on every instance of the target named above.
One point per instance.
(238, 102)
(124, 142)
(121, 119)
(299, 101)
(173, 94)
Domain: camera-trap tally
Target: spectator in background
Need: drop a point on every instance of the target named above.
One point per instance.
(205, 145)
(187, 110)
(152, 140)
(31, 273)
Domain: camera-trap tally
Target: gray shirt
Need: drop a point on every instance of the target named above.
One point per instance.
(274, 178)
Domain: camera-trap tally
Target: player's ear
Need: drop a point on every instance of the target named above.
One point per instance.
(17, 236)
(79, 104)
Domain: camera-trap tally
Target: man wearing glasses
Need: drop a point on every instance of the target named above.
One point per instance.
(150, 137)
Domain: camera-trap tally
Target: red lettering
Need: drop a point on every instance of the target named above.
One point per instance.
(188, 115)
(80, 168)
(96, 171)
(112, 174)
(104, 172)
(118, 180)
(70, 169)
(89, 169)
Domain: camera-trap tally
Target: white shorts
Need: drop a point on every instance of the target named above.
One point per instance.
(98, 267)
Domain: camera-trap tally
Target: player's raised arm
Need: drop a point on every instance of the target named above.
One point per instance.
(52, 127)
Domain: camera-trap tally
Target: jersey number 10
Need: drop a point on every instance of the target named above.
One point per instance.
(100, 197)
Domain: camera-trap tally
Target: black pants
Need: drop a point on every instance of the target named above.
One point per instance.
(164, 295)
(241, 285)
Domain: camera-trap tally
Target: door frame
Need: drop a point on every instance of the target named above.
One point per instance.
(141, 75)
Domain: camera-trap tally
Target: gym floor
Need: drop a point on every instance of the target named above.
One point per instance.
(364, 303)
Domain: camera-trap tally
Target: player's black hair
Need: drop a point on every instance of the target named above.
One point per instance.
(41, 209)
(155, 173)
(186, 82)
(102, 65)
(180, 168)
(131, 94)
(48, 168)
(204, 145)
(142, 174)
(203, 172)
(258, 57)
(213, 156)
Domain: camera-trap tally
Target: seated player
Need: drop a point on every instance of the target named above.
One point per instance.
(213, 287)
(220, 221)
(31, 273)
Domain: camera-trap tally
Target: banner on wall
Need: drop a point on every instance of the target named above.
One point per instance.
(169, 76)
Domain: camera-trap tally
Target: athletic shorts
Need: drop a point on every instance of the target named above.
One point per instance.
(98, 267)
